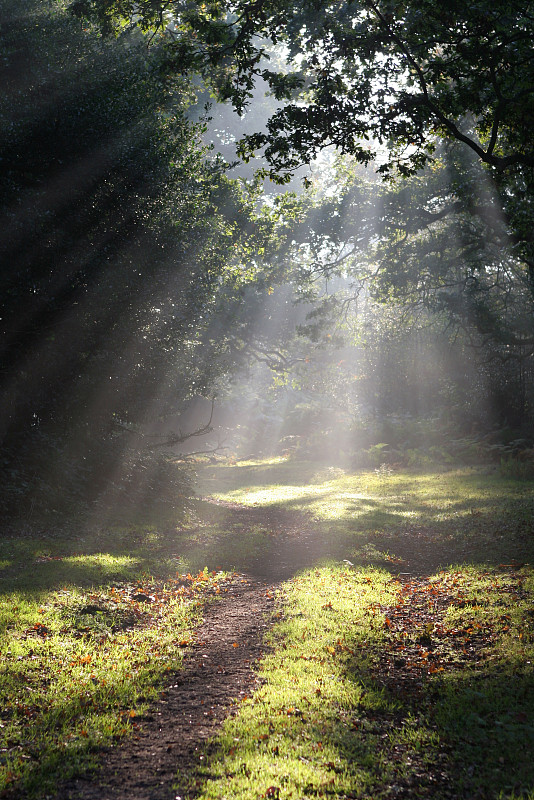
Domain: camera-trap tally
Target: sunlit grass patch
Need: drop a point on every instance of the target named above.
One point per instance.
(106, 562)
(310, 729)
(261, 462)
(333, 493)
(78, 664)
(471, 512)
(296, 496)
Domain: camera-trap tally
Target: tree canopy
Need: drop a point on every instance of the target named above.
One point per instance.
(124, 247)
(360, 75)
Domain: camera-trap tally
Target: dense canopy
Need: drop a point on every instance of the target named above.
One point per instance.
(359, 75)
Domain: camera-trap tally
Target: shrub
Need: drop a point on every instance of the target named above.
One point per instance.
(377, 454)
(517, 468)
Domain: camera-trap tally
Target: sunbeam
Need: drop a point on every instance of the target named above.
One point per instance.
(267, 407)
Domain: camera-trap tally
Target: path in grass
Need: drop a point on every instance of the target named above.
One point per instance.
(169, 740)
(400, 681)
(164, 757)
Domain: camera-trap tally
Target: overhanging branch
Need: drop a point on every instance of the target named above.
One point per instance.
(174, 439)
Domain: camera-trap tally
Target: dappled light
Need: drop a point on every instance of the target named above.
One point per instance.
(267, 408)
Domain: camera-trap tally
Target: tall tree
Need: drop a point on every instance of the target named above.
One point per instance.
(439, 246)
(120, 238)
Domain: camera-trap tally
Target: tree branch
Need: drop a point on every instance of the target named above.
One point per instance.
(485, 155)
(174, 439)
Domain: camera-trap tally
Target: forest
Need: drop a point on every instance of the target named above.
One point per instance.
(267, 407)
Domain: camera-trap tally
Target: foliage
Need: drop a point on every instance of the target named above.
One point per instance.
(51, 484)
(370, 73)
(439, 96)
(427, 286)
(516, 468)
(140, 276)
(124, 245)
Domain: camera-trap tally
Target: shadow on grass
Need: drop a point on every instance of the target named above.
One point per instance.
(463, 735)
(418, 522)
(488, 721)
(467, 746)
(273, 543)
(339, 725)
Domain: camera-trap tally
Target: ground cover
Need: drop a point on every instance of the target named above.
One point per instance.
(380, 686)
(421, 684)
(172, 737)
(85, 639)
(304, 733)
(400, 660)
(421, 519)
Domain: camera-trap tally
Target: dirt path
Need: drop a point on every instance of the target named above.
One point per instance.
(159, 762)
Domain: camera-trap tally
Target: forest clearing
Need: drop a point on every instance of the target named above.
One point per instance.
(365, 635)
(266, 399)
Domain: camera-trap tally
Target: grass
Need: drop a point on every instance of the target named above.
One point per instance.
(336, 718)
(373, 687)
(370, 515)
(85, 640)
(359, 704)
(309, 729)
(487, 711)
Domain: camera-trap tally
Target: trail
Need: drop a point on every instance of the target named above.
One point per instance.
(171, 741)
(159, 762)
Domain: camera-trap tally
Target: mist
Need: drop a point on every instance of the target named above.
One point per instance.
(162, 302)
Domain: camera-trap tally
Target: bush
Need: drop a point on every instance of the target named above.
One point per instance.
(148, 481)
(377, 454)
(52, 476)
(517, 469)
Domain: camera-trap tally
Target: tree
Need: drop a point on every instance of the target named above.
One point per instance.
(366, 74)
(121, 240)
(436, 250)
